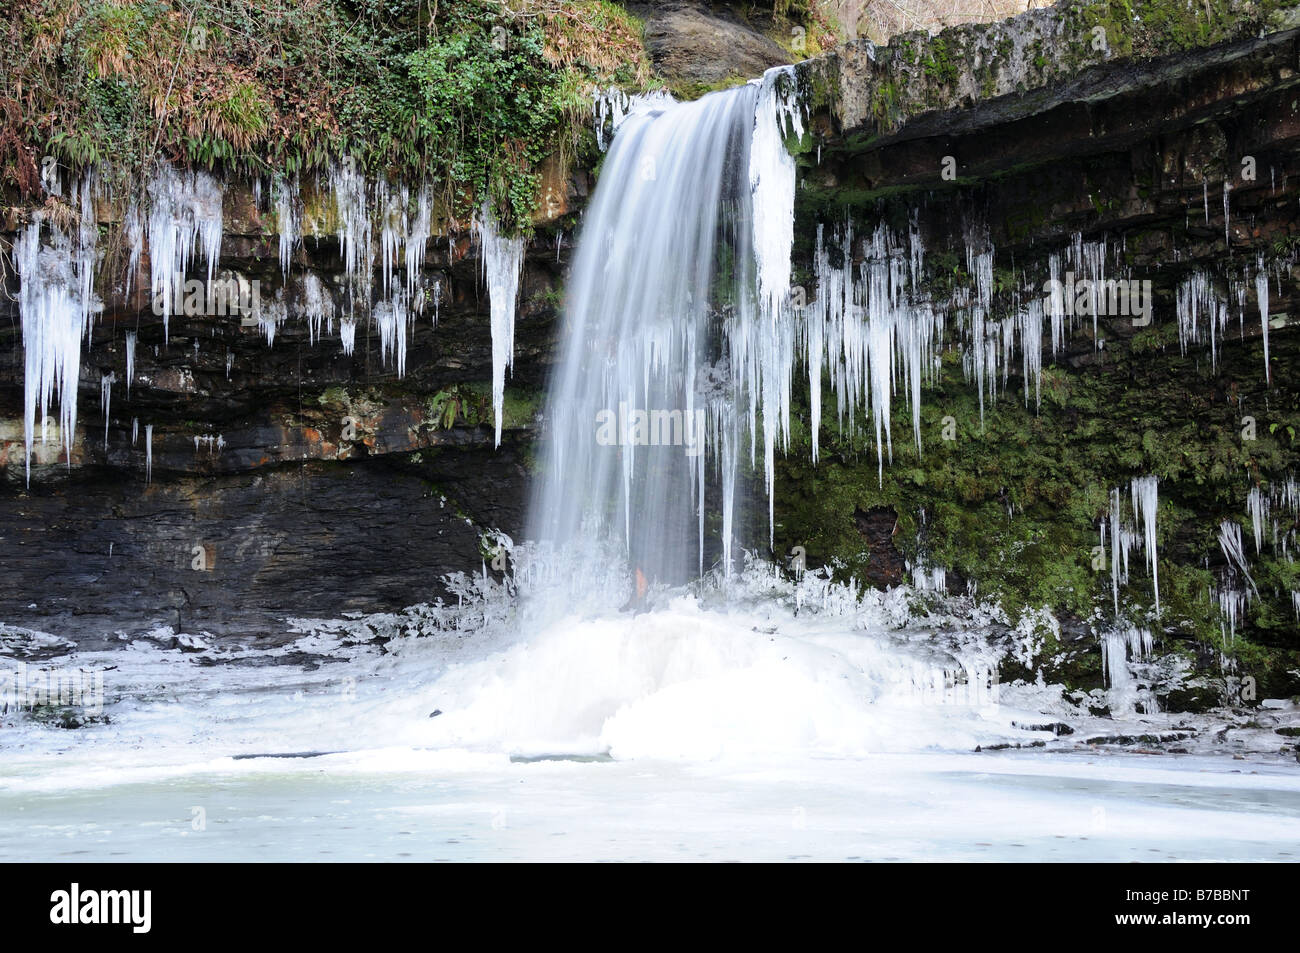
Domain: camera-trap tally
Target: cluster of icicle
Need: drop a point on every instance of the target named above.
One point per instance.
(57, 303)
(405, 225)
(1118, 648)
(1126, 642)
(1124, 535)
(1265, 505)
(1204, 310)
(611, 106)
(380, 225)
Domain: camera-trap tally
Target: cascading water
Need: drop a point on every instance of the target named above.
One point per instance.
(675, 335)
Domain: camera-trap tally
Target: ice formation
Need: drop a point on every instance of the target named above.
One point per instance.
(772, 183)
(106, 382)
(355, 244)
(1118, 647)
(184, 218)
(503, 261)
(390, 318)
(288, 219)
(131, 338)
(1145, 496)
(317, 307)
(57, 303)
(1261, 295)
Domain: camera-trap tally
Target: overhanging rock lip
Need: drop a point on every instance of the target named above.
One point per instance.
(862, 77)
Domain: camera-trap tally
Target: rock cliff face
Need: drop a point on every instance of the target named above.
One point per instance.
(1077, 144)
(286, 479)
(704, 45)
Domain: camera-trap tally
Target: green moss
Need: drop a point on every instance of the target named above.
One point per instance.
(1014, 503)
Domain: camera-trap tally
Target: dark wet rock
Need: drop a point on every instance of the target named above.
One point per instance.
(1145, 739)
(1057, 728)
(1191, 698)
(1007, 745)
(885, 565)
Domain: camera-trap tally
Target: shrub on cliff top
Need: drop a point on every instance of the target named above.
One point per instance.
(469, 93)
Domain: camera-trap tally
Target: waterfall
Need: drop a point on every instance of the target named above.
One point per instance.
(679, 333)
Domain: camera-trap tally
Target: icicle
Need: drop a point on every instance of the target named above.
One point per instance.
(135, 431)
(1144, 510)
(317, 307)
(185, 216)
(417, 238)
(503, 260)
(772, 181)
(106, 382)
(348, 335)
(1227, 216)
(130, 361)
(148, 453)
(1261, 295)
(133, 235)
(1056, 303)
(390, 317)
(1234, 551)
(230, 363)
(57, 304)
(288, 219)
(980, 266)
(1257, 509)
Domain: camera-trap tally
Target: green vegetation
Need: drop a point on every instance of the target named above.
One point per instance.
(469, 94)
(470, 405)
(1014, 503)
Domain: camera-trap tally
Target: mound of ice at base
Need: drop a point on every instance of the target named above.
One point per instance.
(682, 682)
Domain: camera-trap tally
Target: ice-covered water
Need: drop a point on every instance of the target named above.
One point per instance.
(705, 728)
